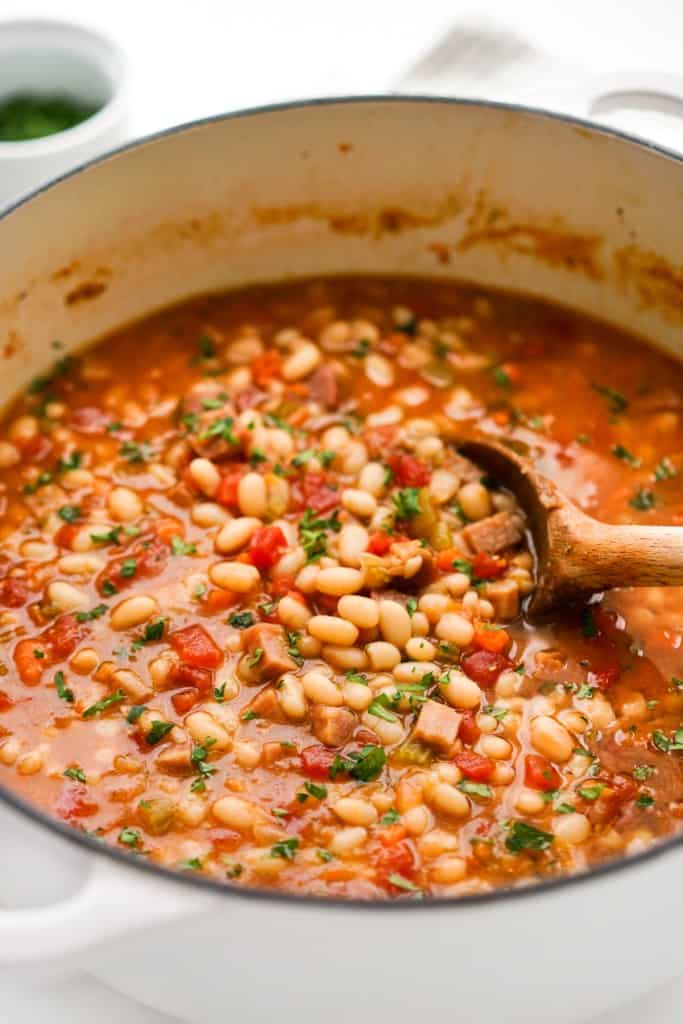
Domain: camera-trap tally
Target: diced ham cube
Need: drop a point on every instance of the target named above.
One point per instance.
(332, 726)
(495, 533)
(175, 759)
(504, 596)
(264, 705)
(273, 660)
(437, 726)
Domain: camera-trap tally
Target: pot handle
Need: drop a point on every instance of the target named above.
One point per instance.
(114, 900)
(646, 91)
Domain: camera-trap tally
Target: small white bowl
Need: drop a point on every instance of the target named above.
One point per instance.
(53, 57)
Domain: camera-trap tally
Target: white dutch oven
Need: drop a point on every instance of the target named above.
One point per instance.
(506, 197)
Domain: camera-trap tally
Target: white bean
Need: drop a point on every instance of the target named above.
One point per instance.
(133, 611)
(205, 475)
(124, 504)
(339, 581)
(237, 576)
(361, 611)
(332, 630)
(252, 495)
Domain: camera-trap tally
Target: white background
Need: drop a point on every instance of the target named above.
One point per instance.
(190, 58)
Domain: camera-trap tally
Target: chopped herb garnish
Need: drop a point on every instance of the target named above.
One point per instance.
(361, 349)
(501, 377)
(645, 800)
(565, 809)
(249, 716)
(498, 713)
(380, 708)
(668, 744)
(313, 789)
(400, 882)
(158, 731)
(591, 792)
(234, 871)
(135, 713)
(63, 690)
(257, 455)
(407, 503)
(109, 588)
(665, 469)
(180, 547)
(643, 500)
(364, 765)
(523, 836)
(134, 452)
(103, 705)
(479, 789)
(625, 455)
(411, 606)
(241, 620)
(616, 402)
(111, 428)
(112, 536)
(129, 568)
(642, 772)
(325, 458)
(193, 864)
(255, 656)
(219, 693)
(221, 428)
(77, 774)
(154, 632)
(69, 513)
(40, 481)
(286, 848)
(585, 692)
(325, 856)
(356, 677)
(94, 613)
(313, 533)
(129, 837)
(72, 461)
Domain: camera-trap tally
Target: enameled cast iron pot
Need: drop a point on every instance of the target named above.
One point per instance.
(506, 197)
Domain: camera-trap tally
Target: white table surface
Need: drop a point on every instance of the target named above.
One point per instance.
(190, 58)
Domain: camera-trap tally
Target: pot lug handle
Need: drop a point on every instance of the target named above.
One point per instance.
(114, 900)
(645, 91)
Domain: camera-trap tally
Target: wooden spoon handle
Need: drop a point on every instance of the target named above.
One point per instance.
(607, 556)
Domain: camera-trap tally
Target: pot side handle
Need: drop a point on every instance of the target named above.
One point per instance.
(601, 96)
(114, 900)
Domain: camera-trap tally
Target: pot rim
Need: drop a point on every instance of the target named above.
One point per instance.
(503, 895)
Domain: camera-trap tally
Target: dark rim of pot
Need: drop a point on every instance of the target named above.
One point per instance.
(523, 890)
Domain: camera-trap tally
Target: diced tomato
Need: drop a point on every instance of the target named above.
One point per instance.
(394, 860)
(316, 761)
(266, 366)
(539, 773)
(281, 586)
(469, 731)
(37, 448)
(195, 647)
(66, 535)
(167, 528)
(184, 700)
(227, 488)
(445, 559)
(29, 666)
(313, 491)
(488, 567)
(6, 701)
(266, 546)
(379, 543)
(483, 666)
(605, 676)
(74, 802)
(494, 640)
(90, 420)
(392, 834)
(191, 675)
(408, 471)
(13, 592)
(474, 766)
(148, 556)
(63, 636)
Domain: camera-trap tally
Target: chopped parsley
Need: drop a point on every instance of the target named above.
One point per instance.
(523, 836)
(642, 772)
(643, 500)
(665, 469)
(41, 481)
(198, 757)
(255, 656)
(591, 792)
(313, 533)
(501, 377)
(364, 765)
(241, 620)
(313, 789)
(63, 690)
(69, 513)
(103, 705)
(72, 461)
(616, 402)
(400, 882)
(94, 613)
(361, 349)
(221, 428)
(411, 606)
(391, 817)
(219, 693)
(325, 856)
(286, 848)
(129, 568)
(645, 800)
(193, 864)
(498, 713)
(130, 837)
(479, 789)
(109, 588)
(325, 458)
(158, 731)
(407, 503)
(77, 774)
(206, 346)
(588, 627)
(380, 708)
(134, 452)
(112, 536)
(135, 713)
(585, 692)
(625, 455)
(668, 744)
(180, 547)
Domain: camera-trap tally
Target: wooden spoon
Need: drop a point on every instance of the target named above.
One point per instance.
(577, 555)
